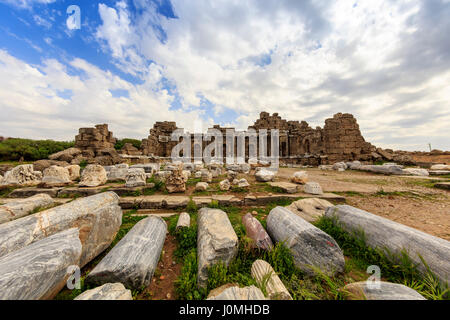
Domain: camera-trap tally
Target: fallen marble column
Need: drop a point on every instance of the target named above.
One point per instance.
(385, 234)
(311, 247)
(274, 287)
(134, 259)
(98, 218)
(40, 270)
(384, 169)
(216, 241)
(236, 293)
(22, 207)
(256, 232)
(384, 291)
(108, 291)
(184, 220)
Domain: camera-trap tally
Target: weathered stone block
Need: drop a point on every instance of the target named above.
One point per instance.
(236, 293)
(385, 291)
(216, 241)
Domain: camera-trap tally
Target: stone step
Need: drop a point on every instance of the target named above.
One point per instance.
(10, 200)
(71, 192)
(176, 202)
(149, 212)
(29, 192)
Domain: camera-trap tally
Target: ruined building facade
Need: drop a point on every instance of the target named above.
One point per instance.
(339, 140)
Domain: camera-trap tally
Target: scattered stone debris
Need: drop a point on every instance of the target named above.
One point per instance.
(236, 293)
(135, 178)
(300, 177)
(313, 188)
(310, 209)
(22, 175)
(184, 220)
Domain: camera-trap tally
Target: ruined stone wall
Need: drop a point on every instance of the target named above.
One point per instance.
(95, 139)
(342, 139)
(158, 142)
(339, 140)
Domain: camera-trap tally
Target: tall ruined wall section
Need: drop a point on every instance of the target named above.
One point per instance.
(342, 139)
(339, 140)
(158, 142)
(94, 140)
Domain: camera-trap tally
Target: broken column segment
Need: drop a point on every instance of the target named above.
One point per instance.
(385, 234)
(216, 241)
(311, 247)
(256, 232)
(39, 271)
(98, 218)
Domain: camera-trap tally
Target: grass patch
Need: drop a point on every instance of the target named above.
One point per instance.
(350, 194)
(427, 183)
(4, 192)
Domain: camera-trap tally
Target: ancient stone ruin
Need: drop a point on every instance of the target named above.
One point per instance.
(299, 144)
(339, 140)
(95, 139)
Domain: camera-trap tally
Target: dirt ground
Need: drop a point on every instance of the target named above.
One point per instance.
(163, 282)
(407, 200)
(444, 159)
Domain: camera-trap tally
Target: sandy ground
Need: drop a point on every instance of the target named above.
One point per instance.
(424, 208)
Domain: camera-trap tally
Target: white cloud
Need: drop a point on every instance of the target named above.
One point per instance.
(325, 58)
(32, 106)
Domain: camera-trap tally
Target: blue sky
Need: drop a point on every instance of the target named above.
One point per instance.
(134, 62)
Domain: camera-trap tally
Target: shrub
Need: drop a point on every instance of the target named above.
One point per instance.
(120, 143)
(30, 150)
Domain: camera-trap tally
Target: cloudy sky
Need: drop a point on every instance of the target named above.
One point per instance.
(134, 62)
